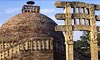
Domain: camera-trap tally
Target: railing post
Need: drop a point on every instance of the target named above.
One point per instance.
(51, 44)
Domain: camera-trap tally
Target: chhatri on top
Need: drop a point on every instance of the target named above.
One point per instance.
(30, 2)
(30, 8)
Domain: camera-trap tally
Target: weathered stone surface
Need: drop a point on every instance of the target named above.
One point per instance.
(32, 9)
(38, 55)
(81, 15)
(60, 28)
(31, 36)
(88, 16)
(60, 16)
(97, 7)
(34, 55)
(98, 28)
(28, 25)
(81, 28)
(60, 4)
(81, 4)
(74, 27)
(98, 17)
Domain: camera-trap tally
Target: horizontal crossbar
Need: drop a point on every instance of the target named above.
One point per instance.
(97, 7)
(98, 17)
(62, 4)
(74, 27)
(98, 28)
(62, 16)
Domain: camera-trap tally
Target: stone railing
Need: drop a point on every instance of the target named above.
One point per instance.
(10, 51)
(37, 44)
(27, 44)
(34, 9)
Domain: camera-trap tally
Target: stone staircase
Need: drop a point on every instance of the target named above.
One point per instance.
(19, 50)
(7, 55)
(21, 54)
(26, 56)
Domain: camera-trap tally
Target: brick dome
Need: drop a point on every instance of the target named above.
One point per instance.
(28, 25)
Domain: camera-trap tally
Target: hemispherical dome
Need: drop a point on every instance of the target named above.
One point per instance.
(28, 25)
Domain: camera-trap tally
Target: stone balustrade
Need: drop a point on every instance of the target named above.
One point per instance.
(37, 45)
(78, 16)
(34, 9)
(32, 44)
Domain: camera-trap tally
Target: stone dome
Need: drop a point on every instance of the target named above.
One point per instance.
(28, 25)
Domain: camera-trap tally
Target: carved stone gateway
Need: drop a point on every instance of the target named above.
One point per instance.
(84, 19)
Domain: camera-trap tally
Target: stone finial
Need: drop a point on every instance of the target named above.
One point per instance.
(30, 2)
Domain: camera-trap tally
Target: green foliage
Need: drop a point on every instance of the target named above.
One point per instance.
(78, 44)
(84, 41)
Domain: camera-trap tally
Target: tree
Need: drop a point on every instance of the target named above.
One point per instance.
(78, 44)
(85, 41)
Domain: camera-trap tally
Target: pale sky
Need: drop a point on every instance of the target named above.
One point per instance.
(9, 8)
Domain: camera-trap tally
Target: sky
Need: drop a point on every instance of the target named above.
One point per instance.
(9, 8)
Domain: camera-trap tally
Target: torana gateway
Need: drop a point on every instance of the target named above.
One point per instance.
(85, 15)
